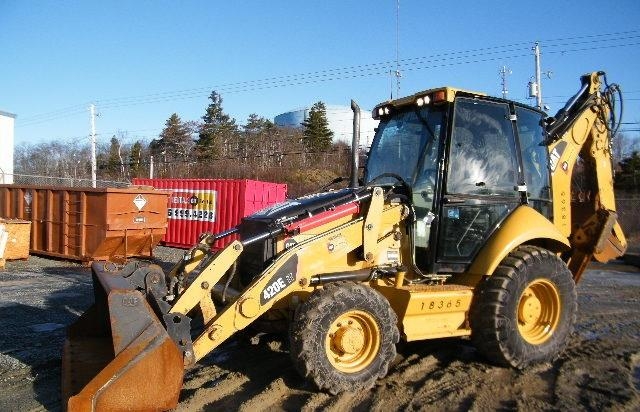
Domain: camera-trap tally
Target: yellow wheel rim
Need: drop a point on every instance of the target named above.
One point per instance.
(538, 311)
(353, 341)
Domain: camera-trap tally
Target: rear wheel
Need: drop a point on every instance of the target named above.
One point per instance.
(343, 337)
(525, 312)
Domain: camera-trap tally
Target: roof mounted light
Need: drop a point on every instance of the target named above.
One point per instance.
(384, 109)
(421, 101)
(381, 111)
(439, 96)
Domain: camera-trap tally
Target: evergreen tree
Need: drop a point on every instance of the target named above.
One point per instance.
(174, 142)
(115, 166)
(135, 159)
(216, 130)
(257, 124)
(629, 178)
(317, 135)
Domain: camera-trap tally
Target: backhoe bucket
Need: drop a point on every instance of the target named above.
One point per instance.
(118, 355)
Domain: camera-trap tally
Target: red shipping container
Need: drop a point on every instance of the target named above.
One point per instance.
(211, 205)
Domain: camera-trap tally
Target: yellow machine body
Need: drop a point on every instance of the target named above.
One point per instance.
(363, 236)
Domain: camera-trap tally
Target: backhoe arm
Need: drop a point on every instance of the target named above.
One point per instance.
(584, 205)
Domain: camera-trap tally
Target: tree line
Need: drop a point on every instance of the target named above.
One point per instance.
(214, 147)
(217, 147)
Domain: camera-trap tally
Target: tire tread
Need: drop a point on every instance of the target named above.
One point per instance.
(307, 340)
(492, 332)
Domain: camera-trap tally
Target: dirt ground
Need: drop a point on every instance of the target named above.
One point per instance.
(600, 370)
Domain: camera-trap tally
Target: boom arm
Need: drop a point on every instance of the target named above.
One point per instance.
(580, 135)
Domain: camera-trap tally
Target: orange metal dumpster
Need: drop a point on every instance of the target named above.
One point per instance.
(88, 224)
(18, 235)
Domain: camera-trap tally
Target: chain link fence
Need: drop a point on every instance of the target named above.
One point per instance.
(34, 180)
(628, 204)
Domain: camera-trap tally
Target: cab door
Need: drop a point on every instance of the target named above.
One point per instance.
(481, 180)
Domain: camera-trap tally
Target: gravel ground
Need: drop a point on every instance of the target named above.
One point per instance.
(600, 370)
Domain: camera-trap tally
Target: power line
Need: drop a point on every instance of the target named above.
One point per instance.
(588, 42)
(57, 112)
(366, 70)
(324, 73)
(593, 35)
(379, 68)
(593, 48)
(371, 69)
(49, 118)
(308, 81)
(624, 92)
(444, 62)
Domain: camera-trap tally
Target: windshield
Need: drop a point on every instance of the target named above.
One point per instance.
(402, 141)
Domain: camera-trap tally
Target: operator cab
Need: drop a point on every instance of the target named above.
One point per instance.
(469, 160)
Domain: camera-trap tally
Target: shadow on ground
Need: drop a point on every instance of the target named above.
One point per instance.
(34, 315)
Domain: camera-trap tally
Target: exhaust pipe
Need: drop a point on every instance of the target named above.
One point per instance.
(355, 144)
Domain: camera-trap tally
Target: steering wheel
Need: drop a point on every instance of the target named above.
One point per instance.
(401, 182)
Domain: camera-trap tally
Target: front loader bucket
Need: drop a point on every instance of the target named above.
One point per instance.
(118, 355)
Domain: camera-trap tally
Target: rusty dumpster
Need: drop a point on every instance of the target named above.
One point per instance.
(88, 224)
(17, 238)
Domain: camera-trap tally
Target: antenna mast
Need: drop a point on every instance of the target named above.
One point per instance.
(397, 73)
(504, 72)
(536, 52)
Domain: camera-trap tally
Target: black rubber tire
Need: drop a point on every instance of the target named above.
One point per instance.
(311, 325)
(493, 316)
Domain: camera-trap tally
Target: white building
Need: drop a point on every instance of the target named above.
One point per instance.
(340, 120)
(7, 121)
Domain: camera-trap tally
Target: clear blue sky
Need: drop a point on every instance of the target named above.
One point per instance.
(141, 61)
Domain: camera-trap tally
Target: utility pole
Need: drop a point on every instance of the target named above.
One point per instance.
(504, 72)
(92, 110)
(536, 52)
(150, 167)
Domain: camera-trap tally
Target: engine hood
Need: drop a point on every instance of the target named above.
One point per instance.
(304, 206)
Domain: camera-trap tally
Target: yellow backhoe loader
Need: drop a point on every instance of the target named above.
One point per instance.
(475, 216)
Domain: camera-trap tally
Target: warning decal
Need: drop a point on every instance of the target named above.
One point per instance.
(139, 201)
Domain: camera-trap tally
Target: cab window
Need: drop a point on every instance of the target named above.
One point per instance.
(482, 154)
(535, 162)
(481, 177)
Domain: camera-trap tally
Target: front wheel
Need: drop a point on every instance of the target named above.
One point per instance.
(343, 338)
(525, 312)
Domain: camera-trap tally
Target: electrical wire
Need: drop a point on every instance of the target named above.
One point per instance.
(513, 50)
(380, 68)
(547, 46)
(339, 74)
(63, 115)
(63, 110)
